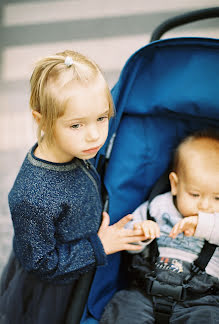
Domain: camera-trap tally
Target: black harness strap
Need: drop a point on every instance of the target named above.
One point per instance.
(202, 261)
(162, 310)
(204, 257)
(162, 185)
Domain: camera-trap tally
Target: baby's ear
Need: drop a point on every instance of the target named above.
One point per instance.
(37, 116)
(173, 183)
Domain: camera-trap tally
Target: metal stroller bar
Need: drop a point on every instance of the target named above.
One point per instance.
(183, 19)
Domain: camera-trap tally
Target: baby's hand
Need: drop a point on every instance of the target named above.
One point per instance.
(149, 228)
(187, 226)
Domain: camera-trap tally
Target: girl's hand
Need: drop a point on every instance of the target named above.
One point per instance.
(116, 238)
(149, 228)
(187, 226)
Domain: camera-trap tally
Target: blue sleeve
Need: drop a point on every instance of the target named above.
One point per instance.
(40, 252)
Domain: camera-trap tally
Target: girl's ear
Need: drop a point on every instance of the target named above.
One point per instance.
(37, 116)
(173, 183)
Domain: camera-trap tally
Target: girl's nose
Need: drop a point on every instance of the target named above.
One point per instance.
(92, 134)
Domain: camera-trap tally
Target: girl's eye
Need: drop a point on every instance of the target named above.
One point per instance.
(75, 126)
(102, 118)
(216, 198)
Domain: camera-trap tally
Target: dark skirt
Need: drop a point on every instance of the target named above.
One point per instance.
(25, 299)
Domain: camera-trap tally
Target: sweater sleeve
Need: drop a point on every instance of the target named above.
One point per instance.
(39, 251)
(139, 215)
(208, 227)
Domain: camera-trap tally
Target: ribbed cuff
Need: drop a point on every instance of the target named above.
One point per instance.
(205, 226)
(98, 249)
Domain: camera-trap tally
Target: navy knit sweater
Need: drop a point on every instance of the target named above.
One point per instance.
(56, 213)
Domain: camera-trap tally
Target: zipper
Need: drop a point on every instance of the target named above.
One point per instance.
(88, 167)
(87, 164)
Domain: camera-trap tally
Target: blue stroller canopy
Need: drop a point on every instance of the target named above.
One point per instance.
(166, 90)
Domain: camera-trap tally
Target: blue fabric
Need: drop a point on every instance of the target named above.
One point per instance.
(166, 90)
(90, 320)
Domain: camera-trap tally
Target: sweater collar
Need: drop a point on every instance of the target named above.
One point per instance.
(67, 166)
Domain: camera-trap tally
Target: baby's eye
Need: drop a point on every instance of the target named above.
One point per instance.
(195, 195)
(75, 126)
(216, 198)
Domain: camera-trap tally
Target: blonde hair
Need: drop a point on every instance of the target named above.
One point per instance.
(52, 82)
(207, 133)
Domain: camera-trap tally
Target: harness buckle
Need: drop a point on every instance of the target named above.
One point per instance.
(194, 271)
(161, 289)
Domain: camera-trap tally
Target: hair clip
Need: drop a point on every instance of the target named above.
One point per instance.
(68, 61)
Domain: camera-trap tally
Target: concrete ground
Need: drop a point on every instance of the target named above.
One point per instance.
(107, 31)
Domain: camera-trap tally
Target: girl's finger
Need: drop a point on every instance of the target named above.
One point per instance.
(122, 222)
(137, 227)
(151, 233)
(105, 220)
(133, 247)
(146, 230)
(133, 239)
(130, 232)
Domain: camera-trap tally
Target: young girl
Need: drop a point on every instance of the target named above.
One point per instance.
(55, 202)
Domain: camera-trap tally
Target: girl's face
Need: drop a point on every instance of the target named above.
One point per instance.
(83, 128)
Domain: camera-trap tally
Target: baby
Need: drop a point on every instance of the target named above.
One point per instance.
(185, 217)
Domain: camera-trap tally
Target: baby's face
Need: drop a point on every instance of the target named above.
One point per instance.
(196, 184)
(195, 195)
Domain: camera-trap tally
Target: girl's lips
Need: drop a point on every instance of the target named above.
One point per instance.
(92, 150)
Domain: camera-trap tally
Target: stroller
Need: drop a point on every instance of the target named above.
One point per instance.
(166, 90)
